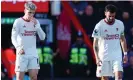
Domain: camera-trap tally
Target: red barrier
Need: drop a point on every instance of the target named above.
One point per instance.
(63, 34)
(77, 24)
(8, 58)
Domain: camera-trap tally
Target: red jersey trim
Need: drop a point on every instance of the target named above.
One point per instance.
(25, 19)
(109, 23)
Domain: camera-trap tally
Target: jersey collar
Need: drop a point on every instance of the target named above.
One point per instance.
(25, 19)
(109, 23)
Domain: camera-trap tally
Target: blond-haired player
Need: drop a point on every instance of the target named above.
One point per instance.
(23, 37)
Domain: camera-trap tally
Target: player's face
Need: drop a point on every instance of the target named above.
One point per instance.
(29, 13)
(110, 16)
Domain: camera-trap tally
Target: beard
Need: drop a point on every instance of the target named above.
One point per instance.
(110, 20)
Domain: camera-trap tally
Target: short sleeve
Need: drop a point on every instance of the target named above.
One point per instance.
(97, 31)
(122, 29)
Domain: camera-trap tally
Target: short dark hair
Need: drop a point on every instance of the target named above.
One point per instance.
(110, 8)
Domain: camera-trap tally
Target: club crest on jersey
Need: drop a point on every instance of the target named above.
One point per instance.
(116, 29)
(105, 30)
(24, 26)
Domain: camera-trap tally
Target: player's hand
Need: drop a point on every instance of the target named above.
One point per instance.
(98, 62)
(21, 52)
(34, 20)
(125, 59)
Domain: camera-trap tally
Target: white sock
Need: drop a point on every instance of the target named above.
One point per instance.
(118, 79)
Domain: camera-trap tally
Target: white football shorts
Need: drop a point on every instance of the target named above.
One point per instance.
(26, 62)
(109, 67)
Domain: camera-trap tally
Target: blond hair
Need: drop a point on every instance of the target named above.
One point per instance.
(30, 6)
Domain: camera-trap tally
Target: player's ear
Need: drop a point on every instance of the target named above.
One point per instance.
(105, 13)
(24, 10)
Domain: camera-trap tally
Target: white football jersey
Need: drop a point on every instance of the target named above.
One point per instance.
(109, 39)
(24, 36)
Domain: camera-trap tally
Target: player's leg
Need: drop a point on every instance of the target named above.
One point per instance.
(33, 67)
(20, 75)
(105, 78)
(33, 74)
(20, 67)
(118, 69)
(118, 75)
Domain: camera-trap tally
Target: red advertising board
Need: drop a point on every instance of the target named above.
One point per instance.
(18, 5)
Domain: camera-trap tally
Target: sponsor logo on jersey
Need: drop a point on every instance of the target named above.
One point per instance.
(112, 37)
(116, 29)
(29, 33)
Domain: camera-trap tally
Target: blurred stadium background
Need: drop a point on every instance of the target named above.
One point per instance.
(67, 24)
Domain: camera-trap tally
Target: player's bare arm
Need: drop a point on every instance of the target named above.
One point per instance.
(123, 43)
(124, 47)
(95, 48)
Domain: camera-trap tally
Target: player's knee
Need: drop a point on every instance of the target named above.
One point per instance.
(19, 78)
(34, 77)
(118, 76)
(104, 78)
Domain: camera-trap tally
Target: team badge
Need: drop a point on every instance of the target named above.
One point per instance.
(116, 29)
(24, 26)
(105, 30)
